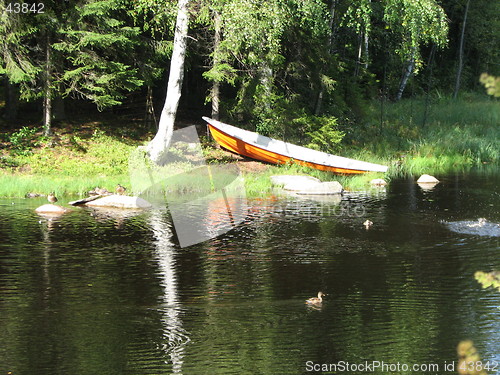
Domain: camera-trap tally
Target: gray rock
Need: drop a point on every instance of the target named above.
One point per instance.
(295, 183)
(307, 185)
(427, 179)
(323, 188)
(120, 201)
(378, 182)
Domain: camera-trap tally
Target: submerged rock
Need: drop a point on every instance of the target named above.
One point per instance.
(307, 185)
(120, 201)
(323, 188)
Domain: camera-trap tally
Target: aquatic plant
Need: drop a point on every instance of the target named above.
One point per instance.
(469, 361)
(488, 279)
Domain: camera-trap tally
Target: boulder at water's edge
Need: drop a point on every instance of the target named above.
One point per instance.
(378, 182)
(427, 179)
(120, 201)
(307, 185)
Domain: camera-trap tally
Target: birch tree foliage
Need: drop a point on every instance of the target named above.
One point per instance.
(156, 20)
(252, 52)
(358, 16)
(415, 23)
(254, 30)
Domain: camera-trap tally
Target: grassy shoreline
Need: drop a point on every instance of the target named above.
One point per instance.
(457, 135)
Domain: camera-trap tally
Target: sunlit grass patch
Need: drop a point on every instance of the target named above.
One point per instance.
(433, 136)
(18, 185)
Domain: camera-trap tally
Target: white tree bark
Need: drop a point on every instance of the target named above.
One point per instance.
(47, 99)
(158, 147)
(461, 53)
(406, 76)
(215, 94)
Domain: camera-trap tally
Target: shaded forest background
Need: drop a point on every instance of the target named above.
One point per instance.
(288, 68)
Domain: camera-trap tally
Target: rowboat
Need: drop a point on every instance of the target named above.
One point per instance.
(259, 147)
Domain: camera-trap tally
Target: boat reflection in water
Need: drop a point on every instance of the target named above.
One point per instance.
(204, 200)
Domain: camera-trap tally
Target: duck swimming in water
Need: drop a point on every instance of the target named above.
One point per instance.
(316, 300)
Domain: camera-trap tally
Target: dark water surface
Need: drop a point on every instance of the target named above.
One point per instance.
(93, 293)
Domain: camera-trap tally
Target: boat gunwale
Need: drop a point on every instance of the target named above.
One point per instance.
(335, 163)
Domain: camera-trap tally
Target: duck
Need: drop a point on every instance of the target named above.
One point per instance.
(316, 300)
(52, 198)
(368, 224)
(120, 189)
(103, 191)
(93, 192)
(99, 191)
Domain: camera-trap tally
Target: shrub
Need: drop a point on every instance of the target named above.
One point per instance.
(23, 141)
(324, 134)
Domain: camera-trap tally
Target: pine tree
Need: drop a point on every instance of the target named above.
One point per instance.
(99, 48)
(84, 49)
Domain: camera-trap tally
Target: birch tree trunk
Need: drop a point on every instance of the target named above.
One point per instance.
(215, 93)
(367, 56)
(360, 49)
(158, 147)
(461, 53)
(406, 76)
(47, 98)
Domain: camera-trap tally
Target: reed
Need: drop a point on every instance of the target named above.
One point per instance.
(445, 135)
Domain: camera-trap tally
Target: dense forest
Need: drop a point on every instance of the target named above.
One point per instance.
(281, 67)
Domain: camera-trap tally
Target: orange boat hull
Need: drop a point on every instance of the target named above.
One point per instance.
(240, 147)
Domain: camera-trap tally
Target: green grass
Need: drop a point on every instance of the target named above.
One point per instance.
(18, 185)
(457, 135)
(73, 167)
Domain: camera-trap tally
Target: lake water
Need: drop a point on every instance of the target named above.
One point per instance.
(97, 293)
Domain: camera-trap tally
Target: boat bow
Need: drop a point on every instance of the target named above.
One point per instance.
(260, 147)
